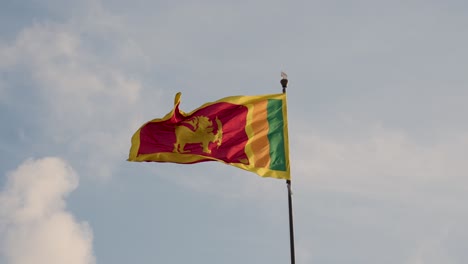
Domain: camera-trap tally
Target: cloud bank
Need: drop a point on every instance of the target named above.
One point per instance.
(84, 85)
(381, 184)
(385, 163)
(35, 226)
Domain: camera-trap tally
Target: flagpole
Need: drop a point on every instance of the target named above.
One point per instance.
(284, 84)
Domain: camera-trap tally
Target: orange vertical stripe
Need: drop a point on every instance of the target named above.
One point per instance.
(260, 144)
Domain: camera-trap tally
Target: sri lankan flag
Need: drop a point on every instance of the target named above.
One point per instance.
(248, 132)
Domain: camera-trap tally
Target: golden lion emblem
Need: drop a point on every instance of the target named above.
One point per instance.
(198, 129)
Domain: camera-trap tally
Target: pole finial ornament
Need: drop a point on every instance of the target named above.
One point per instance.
(284, 81)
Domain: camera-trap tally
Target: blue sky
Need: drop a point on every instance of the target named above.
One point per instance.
(377, 109)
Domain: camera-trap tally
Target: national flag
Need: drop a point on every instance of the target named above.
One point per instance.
(248, 132)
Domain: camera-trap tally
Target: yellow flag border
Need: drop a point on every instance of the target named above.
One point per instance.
(185, 158)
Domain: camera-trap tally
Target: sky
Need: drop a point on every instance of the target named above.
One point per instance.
(376, 111)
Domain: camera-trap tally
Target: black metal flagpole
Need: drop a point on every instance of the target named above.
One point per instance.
(284, 84)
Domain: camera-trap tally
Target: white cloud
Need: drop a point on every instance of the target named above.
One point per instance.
(431, 251)
(69, 77)
(35, 226)
(380, 184)
(82, 77)
(382, 163)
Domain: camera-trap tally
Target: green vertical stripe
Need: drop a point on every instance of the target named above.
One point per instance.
(276, 135)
